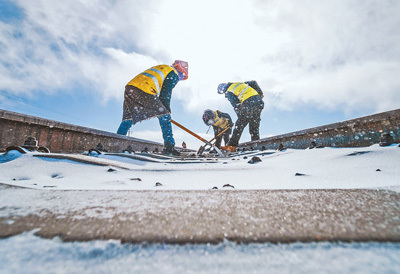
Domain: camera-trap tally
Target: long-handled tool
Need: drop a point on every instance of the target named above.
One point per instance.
(198, 137)
(202, 148)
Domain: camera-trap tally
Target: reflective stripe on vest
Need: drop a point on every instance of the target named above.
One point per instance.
(155, 81)
(151, 80)
(242, 91)
(220, 122)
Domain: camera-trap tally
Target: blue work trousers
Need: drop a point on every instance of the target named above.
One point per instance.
(166, 128)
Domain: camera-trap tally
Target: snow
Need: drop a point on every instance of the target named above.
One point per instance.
(323, 168)
(372, 167)
(27, 253)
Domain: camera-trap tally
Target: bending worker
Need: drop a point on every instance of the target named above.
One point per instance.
(149, 95)
(219, 121)
(246, 99)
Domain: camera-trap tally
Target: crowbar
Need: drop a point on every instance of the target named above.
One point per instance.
(202, 148)
(198, 137)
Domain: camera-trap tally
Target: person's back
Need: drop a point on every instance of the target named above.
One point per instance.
(148, 95)
(246, 99)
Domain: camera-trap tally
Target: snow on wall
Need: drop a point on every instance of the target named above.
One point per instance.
(15, 128)
(359, 132)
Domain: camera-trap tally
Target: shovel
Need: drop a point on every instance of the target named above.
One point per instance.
(198, 137)
(202, 148)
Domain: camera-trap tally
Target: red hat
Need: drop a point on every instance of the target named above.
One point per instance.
(182, 67)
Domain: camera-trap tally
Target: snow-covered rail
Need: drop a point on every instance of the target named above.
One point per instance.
(359, 132)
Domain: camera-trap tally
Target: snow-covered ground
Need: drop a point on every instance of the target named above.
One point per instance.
(27, 253)
(325, 168)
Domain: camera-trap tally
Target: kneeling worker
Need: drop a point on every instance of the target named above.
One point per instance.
(220, 121)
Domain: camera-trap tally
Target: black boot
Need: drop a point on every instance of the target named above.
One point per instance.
(171, 151)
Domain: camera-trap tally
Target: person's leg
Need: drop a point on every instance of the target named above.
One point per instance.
(240, 124)
(124, 127)
(218, 141)
(254, 127)
(166, 128)
(225, 136)
(255, 119)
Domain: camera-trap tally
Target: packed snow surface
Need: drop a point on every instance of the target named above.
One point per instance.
(323, 168)
(54, 256)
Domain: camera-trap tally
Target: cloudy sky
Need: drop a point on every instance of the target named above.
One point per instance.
(318, 62)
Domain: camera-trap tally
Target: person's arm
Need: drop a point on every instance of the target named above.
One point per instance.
(233, 99)
(216, 130)
(255, 86)
(226, 116)
(230, 122)
(166, 91)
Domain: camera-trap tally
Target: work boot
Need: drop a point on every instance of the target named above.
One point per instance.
(229, 148)
(171, 151)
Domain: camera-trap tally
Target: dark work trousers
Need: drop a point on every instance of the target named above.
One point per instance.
(224, 136)
(249, 113)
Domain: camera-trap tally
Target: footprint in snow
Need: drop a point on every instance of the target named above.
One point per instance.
(57, 176)
(358, 153)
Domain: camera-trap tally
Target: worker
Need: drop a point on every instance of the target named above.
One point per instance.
(219, 121)
(149, 95)
(246, 99)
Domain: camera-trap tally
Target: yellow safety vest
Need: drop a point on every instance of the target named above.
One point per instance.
(220, 121)
(242, 91)
(151, 80)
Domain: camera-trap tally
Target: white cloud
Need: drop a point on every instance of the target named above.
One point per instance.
(330, 54)
(369, 85)
(340, 54)
(57, 45)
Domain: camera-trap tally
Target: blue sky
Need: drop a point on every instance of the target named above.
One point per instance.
(318, 62)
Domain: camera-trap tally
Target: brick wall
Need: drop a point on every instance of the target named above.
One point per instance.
(59, 137)
(359, 132)
(15, 128)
